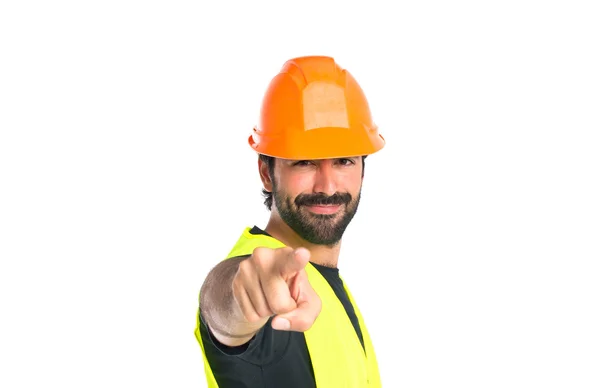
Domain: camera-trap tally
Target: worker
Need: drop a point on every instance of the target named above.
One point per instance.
(275, 311)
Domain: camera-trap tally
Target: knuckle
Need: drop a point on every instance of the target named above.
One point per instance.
(315, 300)
(237, 286)
(318, 304)
(260, 262)
(246, 272)
(259, 254)
(304, 322)
(244, 267)
(250, 315)
(263, 311)
(279, 305)
(285, 250)
(259, 251)
(283, 253)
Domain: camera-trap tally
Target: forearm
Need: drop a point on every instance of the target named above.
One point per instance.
(220, 309)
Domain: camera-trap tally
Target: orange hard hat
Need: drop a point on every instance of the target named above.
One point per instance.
(314, 109)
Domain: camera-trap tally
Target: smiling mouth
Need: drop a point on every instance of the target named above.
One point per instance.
(323, 209)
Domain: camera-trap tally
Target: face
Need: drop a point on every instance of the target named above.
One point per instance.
(317, 198)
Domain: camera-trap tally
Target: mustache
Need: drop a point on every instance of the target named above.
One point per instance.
(323, 199)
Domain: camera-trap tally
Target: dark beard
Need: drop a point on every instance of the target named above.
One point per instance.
(319, 229)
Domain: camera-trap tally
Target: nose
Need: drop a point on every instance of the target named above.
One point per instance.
(325, 178)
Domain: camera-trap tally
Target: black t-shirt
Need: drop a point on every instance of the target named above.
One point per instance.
(272, 358)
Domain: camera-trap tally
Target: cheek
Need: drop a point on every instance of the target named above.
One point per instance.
(352, 184)
(297, 184)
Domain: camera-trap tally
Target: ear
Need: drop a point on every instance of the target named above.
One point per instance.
(362, 176)
(265, 177)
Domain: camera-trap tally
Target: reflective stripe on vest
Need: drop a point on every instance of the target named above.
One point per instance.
(337, 356)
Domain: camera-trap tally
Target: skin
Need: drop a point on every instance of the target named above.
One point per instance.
(240, 295)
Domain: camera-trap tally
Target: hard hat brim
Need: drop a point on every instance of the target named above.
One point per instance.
(321, 143)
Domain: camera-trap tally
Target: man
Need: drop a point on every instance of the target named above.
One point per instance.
(275, 312)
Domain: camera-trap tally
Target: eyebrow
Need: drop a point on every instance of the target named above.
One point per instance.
(342, 157)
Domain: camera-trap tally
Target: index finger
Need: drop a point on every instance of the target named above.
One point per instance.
(290, 262)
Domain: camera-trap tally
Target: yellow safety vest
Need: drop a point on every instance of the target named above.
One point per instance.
(337, 356)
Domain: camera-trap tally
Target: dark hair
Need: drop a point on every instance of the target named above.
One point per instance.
(270, 161)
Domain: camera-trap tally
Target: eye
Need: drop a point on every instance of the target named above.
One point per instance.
(302, 163)
(346, 162)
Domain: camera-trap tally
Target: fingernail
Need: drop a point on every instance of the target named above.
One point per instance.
(281, 324)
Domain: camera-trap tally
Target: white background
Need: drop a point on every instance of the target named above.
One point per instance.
(125, 176)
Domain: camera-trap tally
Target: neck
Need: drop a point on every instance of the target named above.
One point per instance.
(319, 254)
